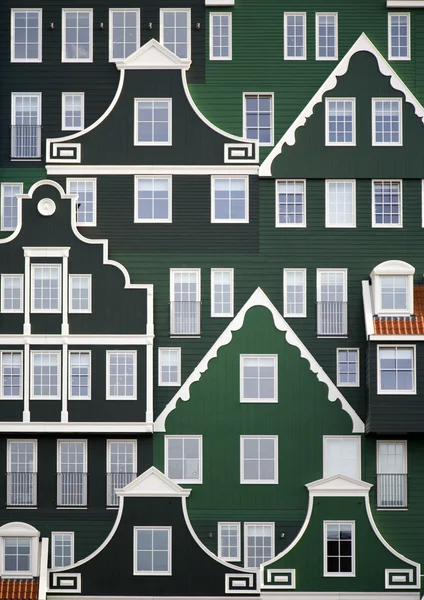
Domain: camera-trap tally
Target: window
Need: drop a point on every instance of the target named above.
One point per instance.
(340, 203)
(332, 302)
(259, 543)
(295, 292)
(45, 288)
(259, 459)
(258, 378)
(153, 201)
(80, 293)
(62, 549)
(394, 293)
(392, 483)
(11, 375)
(342, 456)
(393, 288)
(399, 36)
(326, 36)
(175, 31)
(185, 302)
(339, 549)
(347, 367)
(387, 204)
(121, 375)
(230, 200)
(222, 292)
(153, 122)
(77, 35)
(45, 375)
(396, 370)
(169, 366)
(295, 36)
(72, 473)
(12, 293)
(26, 35)
(152, 550)
(340, 125)
(17, 555)
(72, 112)
(124, 33)
(291, 203)
(229, 541)
(183, 458)
(258, 118)
(9, 205)
(79, 375)
(220, 36)
(387, 122)
(121, 467)
(21, 473)
(86, 203)
(26, 126)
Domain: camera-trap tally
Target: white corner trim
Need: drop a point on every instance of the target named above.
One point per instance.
(259, 298)
(44, 577)
(362, 44)
(153, 55)
(368, 312)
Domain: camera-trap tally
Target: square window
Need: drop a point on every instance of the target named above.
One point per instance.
(326, 36)
(295, 36)
(17, 555)
(387, 122)
(396, 370)
(220, 36)
(26, 36)
(339, 549)
(153, 122)
(394, 293)
(258, 378)
(259, 459)
(387, 203)
(153, 200)
(222, 292)
(86, 203)
(399, 36)
(175, 31)
(124, 33)
(340, 203)
(183, 458)
(12, 287)
(79, 375)
(258, 118)
(340, 122)
(230, 200)
(80, 293)
(169, 366)
(77, 35)
(259, 544)
(9, 205)
(121, 375)
(229, 541)
(342, 456)
(45, 375)
(11, 375)
(46, 288)
(347, 367)
(72, 112)
(62, 549)
(152, 550)
(290, 203)
(295, 292)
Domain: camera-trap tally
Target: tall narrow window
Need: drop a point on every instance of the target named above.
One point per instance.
(79, 375)
(387, 122)
(347, 367)
(392, 483)
(121, 467)
(295, 292)
(340, 203)
(72, 473)
(45, 288)
(332, 302)
(339, 549)
(72, 112)
(183, 458)
(185, 302)
(169, 366)
(121, 375)
(62, 549)
(26, 126)
(12, 287)
(153, 122)
(21, 473)
(79, 293)
(124, 33)
(396, 370)
(86, 189)
(9, 205)
(77, 35)
(295, 36)
(220, 36)
(45, 375)
(175, 31)
(11, 375)
(222, 292)
(258, 378)
(153, 200)
(340, 122)
(26, 36)
(387, 204)
(326, 36)
(259, 459)
(399, 36)
(342, 456)
(229, 541)
(152, 551)
(258, 118)
(230, 200)
(290, 203)
(259, 544)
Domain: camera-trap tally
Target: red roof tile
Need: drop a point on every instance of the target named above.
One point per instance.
(404, 325)
(19, 589)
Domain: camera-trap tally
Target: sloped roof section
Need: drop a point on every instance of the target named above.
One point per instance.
(19, 589)
(413, 325)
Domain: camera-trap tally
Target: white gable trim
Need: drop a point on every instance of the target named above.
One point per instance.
(153, 483)
(362, 44)
(338, 486)
(259, 298)
(153, 56)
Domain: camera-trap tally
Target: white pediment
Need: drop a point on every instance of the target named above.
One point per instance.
(153, 56)
(339, 485)
(153, 483)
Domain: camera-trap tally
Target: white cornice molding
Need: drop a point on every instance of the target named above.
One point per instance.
(259, 298)
(405, 3)
(233, 169)
(153, 56)
(338, 486)
(362, 44)
(19, 339)
(75, 427)
(154, 484)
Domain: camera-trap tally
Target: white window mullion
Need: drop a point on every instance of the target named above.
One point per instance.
(62, 548)
(348, 367)
(290, 198)
(86, 204)
(222, 292)
(121, 375)
(9, 205)
(183, 458)
(152, 121)
(153, 199)
(399, 36)
(185, 295)
(152, 551)
(169, 366)
(259, 459)
(326, 36)
(77, 35)
(72, 111)
(12, 293)
(340, 121)
(295, 292)
(45, 375)
(340, 203)
(121, 467)
(339, 548)
(387, 203)
(229, 541)
(259, 544)
(258, 117)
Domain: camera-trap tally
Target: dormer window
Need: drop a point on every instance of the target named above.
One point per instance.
(19, 550)
(392, 283)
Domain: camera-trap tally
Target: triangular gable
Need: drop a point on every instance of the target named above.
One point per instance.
(153, 56)
(153, 483)
(338, 485)
(362, 44)
(259, 298)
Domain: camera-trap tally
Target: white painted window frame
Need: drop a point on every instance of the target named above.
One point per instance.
(327, 128)
(93, 180)
(37, 95)
(21, 287)
(304, 54)
(64, 96)
(70, 395)
(161, 383)
(327, 204)
(236, 524)
(33, 562)
(153, 143)
(2, 394)
(72, 539)
(135, 548)
(108, 355)
(59, 373)
(336, 35)
(230, 35)
(339, 383)
(412, 392)
(59, 302)
(120, 441)
(84, 442)
(246, 526)
(273, 400)
(320, 271)
(357, 438)
(331, 574)
(213, 274)
(13, 58)
(389, 35)
(90, 289)
(138, 219)
(173, 271)
(271, 96)
(245, 481)
(25, 441)
(304, 285)
(2, 195)
(405, 454)
(277, 204)
(214, 219)
(122, 10)
(387, 225)
(392, 269)
(374, 132)
(161, 26)
(197, 437)
(90, 29)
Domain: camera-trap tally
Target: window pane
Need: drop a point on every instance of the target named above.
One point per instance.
(45, 374)
(294, 36)
(121, 375)
(340, 122)
(153, 199)
(230, 199)
(259, 117)
(291, 203)
(340, 204)
(326, 36)
(46, 288)
(387, 122)
(183, 458)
